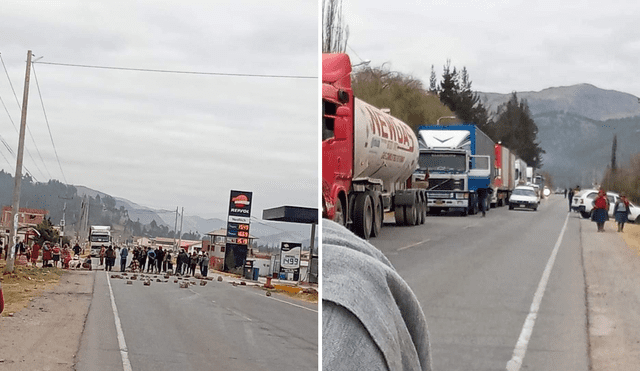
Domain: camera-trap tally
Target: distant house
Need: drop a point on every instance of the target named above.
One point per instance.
(26, 218)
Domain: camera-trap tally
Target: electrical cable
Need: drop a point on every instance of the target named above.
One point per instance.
(180, 72)
(48, 127)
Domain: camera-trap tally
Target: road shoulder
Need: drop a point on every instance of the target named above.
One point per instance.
(46, 334)
(612, 273)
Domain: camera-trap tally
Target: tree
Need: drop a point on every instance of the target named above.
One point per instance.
(515, 128)
(433, 82)
(449, 87)
(334, 34)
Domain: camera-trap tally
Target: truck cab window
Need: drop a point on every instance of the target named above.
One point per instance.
(328, 119)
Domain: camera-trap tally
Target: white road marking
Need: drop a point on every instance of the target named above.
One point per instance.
(523, 341)
(286, 302)
(126, 365)
(415, 244)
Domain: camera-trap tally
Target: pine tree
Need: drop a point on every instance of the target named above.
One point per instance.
(433, 82)
(449, 87)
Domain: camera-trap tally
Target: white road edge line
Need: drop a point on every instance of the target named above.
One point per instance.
(126, 365)
(286, 302)
(523, 341)
(415, 244)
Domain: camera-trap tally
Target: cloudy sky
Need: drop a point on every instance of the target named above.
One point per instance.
(168, 139)
(505, 45)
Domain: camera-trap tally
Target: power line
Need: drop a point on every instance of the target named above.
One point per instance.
(181, 72)
(48, 127)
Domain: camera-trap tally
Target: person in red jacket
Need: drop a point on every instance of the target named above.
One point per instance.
(46, 254)
(601, 210)
(1, 299)
(35, 253)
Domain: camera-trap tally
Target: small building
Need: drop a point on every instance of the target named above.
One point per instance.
(215, 243)
(27, 219)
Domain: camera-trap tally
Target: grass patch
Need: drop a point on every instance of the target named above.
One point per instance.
(25, 284)
(631, 236)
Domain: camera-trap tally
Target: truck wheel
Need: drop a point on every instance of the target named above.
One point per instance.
(411, 214)
(338, 213)
(585, 214)
(378, 214)
(423, 211)
(399, 213)
(363, 216)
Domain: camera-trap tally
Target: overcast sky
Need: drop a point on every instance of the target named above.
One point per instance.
(505, 45)
(159, 139)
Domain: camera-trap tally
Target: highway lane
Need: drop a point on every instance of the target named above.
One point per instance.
(476, 278)
(217, 326)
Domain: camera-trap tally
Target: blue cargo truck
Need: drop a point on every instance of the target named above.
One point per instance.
(458, 160)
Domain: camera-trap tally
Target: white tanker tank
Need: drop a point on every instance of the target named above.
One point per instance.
(385, 148)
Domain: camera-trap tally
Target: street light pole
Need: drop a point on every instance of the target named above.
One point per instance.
(445, 117)
(13, 234)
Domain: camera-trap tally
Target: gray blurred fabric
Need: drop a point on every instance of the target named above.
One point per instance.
(371, 320)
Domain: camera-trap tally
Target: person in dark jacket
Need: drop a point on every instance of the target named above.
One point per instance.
(124, 252)
(193, 262)
(159, 259)
(151, 257)
(110, 256)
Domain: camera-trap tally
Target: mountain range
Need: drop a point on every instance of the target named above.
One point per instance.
(576, 126)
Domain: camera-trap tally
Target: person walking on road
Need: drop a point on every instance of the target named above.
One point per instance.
(103, 251)
(123, 258)
(110, 254)
(204, 264)
(600, 210)
(570, 198)
(621, 211)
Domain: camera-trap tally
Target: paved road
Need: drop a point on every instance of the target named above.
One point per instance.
(217, 326)
(476, 279)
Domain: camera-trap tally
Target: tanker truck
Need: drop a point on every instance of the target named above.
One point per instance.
(368, 158)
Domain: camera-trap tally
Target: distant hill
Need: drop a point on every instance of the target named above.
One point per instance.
(576, 127)
(268, 233)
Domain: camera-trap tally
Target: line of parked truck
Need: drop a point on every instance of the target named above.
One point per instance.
(373, 163)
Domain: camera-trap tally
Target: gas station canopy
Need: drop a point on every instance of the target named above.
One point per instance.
(292, 214)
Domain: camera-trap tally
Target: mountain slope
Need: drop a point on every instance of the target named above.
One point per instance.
(576, 127)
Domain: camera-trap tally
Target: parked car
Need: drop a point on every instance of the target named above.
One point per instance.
(524, 197)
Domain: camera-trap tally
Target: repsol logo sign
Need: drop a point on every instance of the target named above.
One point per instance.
(239, 211)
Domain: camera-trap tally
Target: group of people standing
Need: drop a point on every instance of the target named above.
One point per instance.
(156, 260)
(601, 210)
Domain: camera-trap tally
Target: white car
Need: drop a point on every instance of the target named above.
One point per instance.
(524, 197)
(583, 203)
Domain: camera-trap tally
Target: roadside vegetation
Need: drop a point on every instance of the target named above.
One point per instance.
(24, 284)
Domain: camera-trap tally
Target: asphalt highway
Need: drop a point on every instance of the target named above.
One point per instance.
(477, 279)
(214, 327)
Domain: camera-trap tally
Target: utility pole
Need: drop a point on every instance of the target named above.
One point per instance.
(13, 234)
(175, 230)
(180, 235)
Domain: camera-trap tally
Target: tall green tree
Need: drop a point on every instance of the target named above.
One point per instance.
(517, 130)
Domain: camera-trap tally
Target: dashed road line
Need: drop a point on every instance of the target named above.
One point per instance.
(415, 244)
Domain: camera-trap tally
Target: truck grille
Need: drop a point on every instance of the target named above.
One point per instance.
(446, 184)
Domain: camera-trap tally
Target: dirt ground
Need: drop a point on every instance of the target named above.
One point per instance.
(612, 274)
(45, 335)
